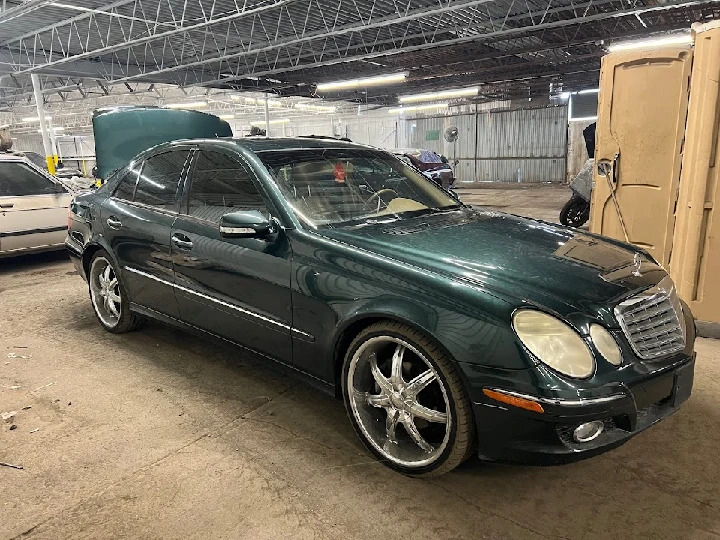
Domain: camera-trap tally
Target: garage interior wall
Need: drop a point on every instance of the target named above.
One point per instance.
(524, 145)
(520, 145)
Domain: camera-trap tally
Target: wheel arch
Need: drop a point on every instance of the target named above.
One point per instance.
(90, 249)
(415, 316)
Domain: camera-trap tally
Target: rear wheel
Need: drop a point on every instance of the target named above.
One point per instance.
(108, 296)
(406, 400)
(575, 212)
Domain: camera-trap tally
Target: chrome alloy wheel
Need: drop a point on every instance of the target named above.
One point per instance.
(105, 292)
(399, 402)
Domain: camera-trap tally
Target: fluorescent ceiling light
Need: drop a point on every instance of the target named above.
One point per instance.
(564, 95)
(274, 103)
(583, 119)
(187, 105)
(318, 108)
(361, 83)
(418, 108)
(445, 94)
(54, 129)
(652, 43)
(35, 118)
(589, 91)
(279, 121)
(226, 116)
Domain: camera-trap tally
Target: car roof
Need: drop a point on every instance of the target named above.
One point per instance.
(13, 157)
(262, 144)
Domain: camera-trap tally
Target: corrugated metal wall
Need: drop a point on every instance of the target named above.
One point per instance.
(523, 145)
(377, 131)
(507, 146)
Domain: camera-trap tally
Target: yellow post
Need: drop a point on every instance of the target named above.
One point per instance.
(51, 164)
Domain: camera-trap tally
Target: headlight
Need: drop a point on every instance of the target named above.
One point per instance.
(554, 343)
(605, 344)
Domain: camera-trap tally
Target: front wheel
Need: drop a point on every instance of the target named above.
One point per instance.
(575, 212)
(108, 296)
(406, 400)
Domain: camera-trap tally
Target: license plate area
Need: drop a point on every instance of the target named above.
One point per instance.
(683, 384)
(655, 390)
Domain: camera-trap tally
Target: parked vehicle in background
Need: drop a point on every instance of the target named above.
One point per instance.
(431, 164)
(37, 159)
(576, 211)
(448, 331)
(33, 207)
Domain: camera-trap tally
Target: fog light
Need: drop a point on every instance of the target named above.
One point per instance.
(588, 431)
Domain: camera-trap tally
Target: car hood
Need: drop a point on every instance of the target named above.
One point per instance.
(520, 259)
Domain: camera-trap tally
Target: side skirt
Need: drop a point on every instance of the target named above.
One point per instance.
(283, 368)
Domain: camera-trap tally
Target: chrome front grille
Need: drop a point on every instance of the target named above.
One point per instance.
(653, 322)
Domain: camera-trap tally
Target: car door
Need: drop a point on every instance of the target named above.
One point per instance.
(137, 219)
(237, 288)
(33, 208)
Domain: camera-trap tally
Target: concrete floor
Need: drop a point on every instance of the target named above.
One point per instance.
(158, 434)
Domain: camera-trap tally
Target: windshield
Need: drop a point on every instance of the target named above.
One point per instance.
(330, 186)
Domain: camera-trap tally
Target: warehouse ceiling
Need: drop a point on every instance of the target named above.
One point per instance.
(509, 48)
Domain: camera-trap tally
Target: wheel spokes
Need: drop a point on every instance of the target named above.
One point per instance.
(111, 307)
(380, 400)
(380, 379)
(419, 383)
(427, 414)
(412, 430)
(391, 423)
(396, 366)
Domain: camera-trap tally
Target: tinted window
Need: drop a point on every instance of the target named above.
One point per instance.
(17, 179)
(221, 184)
(158, 182)
(126, 185)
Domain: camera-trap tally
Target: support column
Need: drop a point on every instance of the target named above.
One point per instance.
(267, 117)
(53, 140)
(47, 144)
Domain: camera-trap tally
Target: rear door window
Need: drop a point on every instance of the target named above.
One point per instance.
(158, 183)
(18, 180)
(126, 185)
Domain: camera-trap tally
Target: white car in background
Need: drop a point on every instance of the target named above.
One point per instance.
(33, 207)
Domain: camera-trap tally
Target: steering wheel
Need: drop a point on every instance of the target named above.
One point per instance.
(381, 192)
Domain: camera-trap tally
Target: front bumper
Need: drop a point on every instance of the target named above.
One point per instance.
(507, 433)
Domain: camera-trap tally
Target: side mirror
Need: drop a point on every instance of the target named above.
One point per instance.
(245, 224)
(444, 159)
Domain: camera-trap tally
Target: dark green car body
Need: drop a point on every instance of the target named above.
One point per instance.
(300, 295)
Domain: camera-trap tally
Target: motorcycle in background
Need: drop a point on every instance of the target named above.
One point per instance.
(576, 211)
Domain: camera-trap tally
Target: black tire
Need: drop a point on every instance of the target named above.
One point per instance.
(126, 320)
(576, 212)
(460, 438)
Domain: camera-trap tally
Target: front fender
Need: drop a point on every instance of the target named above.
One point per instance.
(474, 339)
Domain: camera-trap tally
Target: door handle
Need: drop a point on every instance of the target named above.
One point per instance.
(113, 222)
(6, 205)
(182, 242)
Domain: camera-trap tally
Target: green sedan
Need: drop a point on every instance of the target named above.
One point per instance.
(448, 331)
